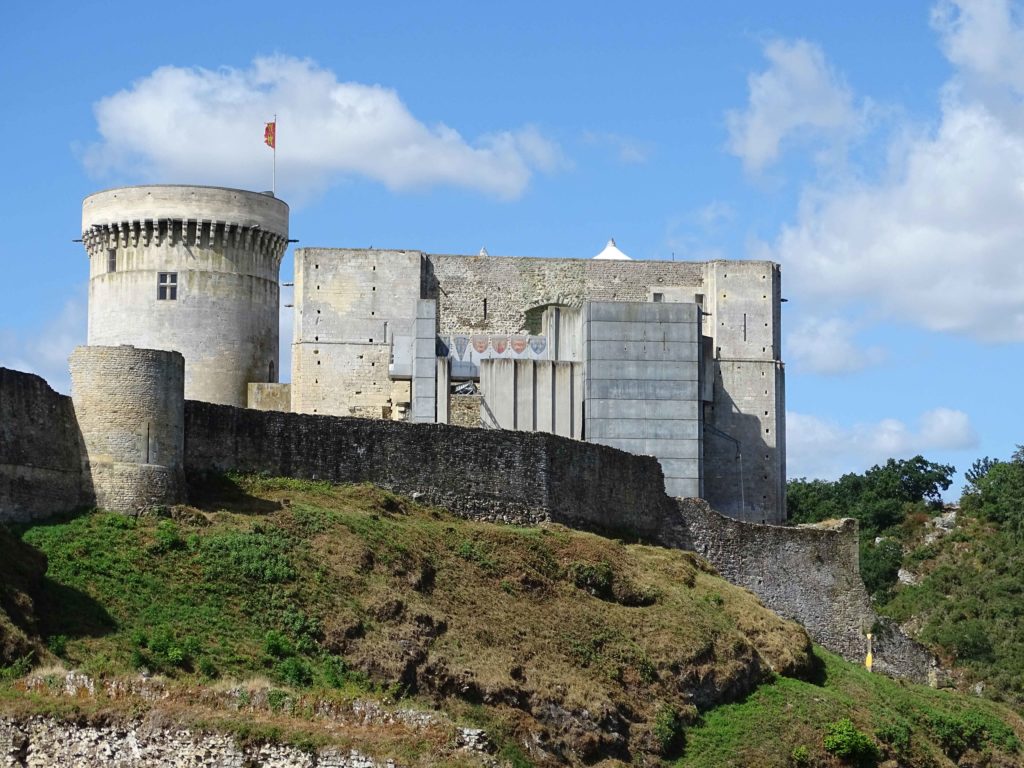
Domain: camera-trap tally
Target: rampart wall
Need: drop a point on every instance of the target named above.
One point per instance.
(810, 573)
(494, 475)
(40, 460)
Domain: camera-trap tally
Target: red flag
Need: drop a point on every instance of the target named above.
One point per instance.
(270, 134)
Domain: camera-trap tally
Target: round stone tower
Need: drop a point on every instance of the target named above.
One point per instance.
(130, 408)
(189, 269)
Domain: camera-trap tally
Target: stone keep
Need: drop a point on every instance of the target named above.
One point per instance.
(356, 321)
(130, 408)
(190, 269)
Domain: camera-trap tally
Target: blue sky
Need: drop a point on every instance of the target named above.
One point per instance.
(878, 154)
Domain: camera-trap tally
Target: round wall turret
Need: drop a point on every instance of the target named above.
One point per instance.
(130, 407)
(190, 269)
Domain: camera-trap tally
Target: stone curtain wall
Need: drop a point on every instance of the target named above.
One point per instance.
(494, 475)
(511, 286)
(807, 573)
(40, 464)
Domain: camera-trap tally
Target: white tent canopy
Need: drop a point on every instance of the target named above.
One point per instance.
(611, 251)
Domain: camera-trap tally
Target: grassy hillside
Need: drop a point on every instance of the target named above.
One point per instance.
(968, 603)
(566, 647)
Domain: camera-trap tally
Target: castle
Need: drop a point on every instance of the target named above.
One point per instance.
(677, 360)
(622, 387)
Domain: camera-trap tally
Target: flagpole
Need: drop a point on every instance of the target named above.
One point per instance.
(274, 184)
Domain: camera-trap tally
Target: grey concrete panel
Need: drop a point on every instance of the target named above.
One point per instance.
(635, 389)
(603, 330)
(544, 377)
(653, 351)
(689, 468)
(660, 449)
(444, 391)
(525, 407)
(642, 409)
(425, 347)
(644, 428)
(565, 395)
(642, 370)
(639, 312)
(679, 488)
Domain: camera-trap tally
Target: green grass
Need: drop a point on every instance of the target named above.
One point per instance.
(915, 725)
(350, 591)
(969, 604)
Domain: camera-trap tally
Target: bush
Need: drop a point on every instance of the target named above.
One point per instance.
(277, 645)
(845, 741)
(58, 644)
(879, 565)
(800, 757)
(970, 730)
(668, 730)
(294, 671)
(896, 736)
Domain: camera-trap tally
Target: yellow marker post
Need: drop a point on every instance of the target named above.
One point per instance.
(868, 660)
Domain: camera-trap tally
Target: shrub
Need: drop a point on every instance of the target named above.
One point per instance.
(800, 757)
(58, 644)
(896, 736)
(277, 645)
(969, 730)
(668, 729)
(294, 671)
(276, 699)
(167, 537)
(207, 667)
(845, 741)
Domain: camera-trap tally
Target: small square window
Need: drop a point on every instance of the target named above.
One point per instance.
(167, 286)
(659, 297)
(112, 260)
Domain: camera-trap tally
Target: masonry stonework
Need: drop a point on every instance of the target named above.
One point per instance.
(40, 462)
(129, 406)
(356, 321)
(193, 270)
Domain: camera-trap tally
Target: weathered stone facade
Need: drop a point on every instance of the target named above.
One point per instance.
(810, 573)
(189, 269)
(356, 315)
(129, 406)
(40, 458)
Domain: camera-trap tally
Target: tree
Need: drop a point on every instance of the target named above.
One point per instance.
(998, 495)
(880, 499)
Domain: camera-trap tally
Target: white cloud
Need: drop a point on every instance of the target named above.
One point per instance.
(798, 95)
(935, 240)
(45, 351)
(818, 448)
(198, 125)
(828, 346)
(628, 150)
(984, 39)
